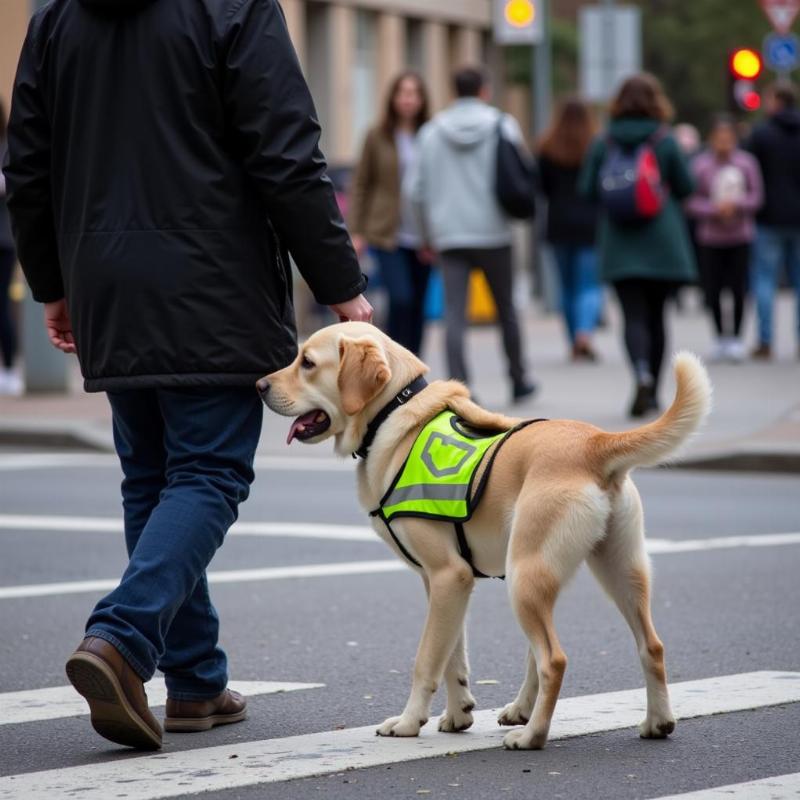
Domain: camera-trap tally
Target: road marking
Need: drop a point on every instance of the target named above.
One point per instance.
(35, 705)
(274, 760)
(225, 576)
(362, 533)
(780, 787)
(299, 530)
(27, 461)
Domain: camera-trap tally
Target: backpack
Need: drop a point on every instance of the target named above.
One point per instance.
(515, 178)
(631, 188)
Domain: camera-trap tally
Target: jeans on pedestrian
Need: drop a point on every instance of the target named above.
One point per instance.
(774, 247)
(187, 460)
(406, 280)
(581, 292)
(496, 265)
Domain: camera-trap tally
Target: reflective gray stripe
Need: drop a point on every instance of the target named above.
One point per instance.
(428, 491)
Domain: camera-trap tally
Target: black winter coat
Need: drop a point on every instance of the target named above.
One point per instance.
(163, 156)
(571, 217)
(776, 145)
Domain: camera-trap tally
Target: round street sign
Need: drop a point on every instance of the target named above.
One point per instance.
(781, 52)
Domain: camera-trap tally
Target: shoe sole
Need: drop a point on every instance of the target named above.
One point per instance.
(113, 717)
(195, 725)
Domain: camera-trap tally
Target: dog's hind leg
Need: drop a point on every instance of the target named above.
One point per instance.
(621, 565)
(449, 591)
(519, 711)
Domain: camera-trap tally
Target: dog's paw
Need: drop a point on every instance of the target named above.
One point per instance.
(657, 727)
(400, 726)
(458, 720)
(524, 739)
(512, 714)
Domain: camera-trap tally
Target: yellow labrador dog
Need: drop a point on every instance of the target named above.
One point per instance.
(559, 493)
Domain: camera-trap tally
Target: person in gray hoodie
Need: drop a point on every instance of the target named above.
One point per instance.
(451, 187)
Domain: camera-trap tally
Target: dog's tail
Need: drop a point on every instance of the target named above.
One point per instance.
(654, 443)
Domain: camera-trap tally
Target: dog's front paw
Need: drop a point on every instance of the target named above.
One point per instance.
(512, 714)
(524, 739)
(657, 727)
(400, 726)
(457, 720)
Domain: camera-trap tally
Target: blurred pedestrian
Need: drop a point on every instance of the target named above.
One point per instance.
(572, 222)
(640, 175)
(10, 381)
(688, 138)
(380, 218)
(153, 200)
(452, 188)
(729, 192)
(776, 145)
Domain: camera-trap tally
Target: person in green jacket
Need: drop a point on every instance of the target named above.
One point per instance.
(644, 260)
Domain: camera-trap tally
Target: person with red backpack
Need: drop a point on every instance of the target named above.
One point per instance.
(639, 175)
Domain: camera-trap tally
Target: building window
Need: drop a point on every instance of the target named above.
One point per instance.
(364, 72)
(415, 45)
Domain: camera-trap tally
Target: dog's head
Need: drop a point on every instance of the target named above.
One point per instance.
(341, 377)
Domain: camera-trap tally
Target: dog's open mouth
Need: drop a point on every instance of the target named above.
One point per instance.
(309, 425)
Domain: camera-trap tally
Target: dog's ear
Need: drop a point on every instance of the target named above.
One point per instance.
(363, 372)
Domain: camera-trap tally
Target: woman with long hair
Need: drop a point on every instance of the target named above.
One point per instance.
(646, 257)
(572, 221)
(10, 382)
(378, 217)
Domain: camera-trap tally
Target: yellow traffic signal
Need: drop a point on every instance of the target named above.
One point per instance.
(746, 64)
(520, 13)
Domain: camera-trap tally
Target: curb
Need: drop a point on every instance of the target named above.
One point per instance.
(76, 437)
(745, 460)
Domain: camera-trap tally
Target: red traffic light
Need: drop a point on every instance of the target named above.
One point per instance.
(751, 101)
(746, 64)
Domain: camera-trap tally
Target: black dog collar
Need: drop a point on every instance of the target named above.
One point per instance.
(400, 399)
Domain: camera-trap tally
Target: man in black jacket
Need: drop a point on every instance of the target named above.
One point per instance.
(162, 159)
(776, 145)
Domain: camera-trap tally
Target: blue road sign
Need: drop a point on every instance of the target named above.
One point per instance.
(781, 52)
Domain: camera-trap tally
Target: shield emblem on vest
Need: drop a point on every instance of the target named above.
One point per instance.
(445, 455)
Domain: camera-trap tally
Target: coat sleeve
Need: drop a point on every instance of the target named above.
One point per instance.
(590, 174)
(700, 205)
(679, 177)
(27, 172)
(754, 195)
(359, 189)
(274, 127)
(415, 188)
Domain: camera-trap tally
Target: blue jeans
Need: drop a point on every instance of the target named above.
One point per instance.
(581, 293)
(406, 280)
(187, 460)
(774, 247)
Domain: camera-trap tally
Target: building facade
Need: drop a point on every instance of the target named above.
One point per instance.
(349, 49)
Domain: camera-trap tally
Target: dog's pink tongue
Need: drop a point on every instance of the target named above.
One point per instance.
(300, 423)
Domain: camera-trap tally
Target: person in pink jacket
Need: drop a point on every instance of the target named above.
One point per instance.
(729, 193)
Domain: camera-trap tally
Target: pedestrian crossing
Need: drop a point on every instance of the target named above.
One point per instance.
(780, 787)
(38, 705)
(269, 761)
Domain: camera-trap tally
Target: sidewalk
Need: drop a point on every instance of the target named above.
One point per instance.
(755, 424)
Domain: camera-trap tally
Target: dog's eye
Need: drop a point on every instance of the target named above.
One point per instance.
(307, 363)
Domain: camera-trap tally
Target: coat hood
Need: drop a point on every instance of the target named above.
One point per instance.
(788, 119)
(467, 122)
(115, 8)
(632, 130)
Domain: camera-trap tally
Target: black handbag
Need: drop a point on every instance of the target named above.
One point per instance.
(515, 179)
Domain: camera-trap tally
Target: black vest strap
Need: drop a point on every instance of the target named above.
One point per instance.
(466, 553)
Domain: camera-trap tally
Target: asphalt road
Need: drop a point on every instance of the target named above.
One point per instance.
(720, 611)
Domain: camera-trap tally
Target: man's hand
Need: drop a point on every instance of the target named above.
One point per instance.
(59, 328)
(355, 310)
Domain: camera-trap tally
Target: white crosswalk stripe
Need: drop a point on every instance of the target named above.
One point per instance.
(35, 705)
(781, 787)
(274, 760)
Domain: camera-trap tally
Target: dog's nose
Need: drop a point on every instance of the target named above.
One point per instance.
(263, 386)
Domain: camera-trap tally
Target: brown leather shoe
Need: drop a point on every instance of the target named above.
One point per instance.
(115, 694)
(761, 353)
(188, 716)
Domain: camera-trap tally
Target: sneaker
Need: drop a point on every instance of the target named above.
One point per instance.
(735, 350)
(10, 383)
(762, 353)
(523, 390)
(719, 352)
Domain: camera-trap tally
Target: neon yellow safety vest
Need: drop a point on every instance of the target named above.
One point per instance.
(437, 478)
